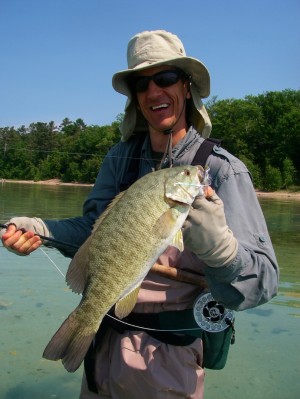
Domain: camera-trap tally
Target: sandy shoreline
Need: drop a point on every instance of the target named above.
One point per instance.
(52, 182)
(274, 194)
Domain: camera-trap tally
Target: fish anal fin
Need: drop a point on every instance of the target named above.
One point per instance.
(125, 305)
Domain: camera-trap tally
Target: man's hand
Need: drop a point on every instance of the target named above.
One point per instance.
(205, 232)
(20, 236)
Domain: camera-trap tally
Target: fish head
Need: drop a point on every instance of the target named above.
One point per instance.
(185, 184)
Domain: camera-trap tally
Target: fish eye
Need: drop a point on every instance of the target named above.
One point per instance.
(186, 172)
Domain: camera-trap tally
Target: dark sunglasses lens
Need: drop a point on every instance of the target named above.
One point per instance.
(161, 79)
(167, 78)
(142, 83)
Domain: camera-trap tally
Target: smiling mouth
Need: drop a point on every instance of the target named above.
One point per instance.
(160, 106)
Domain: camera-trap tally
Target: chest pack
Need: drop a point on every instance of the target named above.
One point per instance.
(200, 158)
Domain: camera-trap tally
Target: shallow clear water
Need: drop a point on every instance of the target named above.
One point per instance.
(34, 300)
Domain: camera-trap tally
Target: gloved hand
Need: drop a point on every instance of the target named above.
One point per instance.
(205, 232)
(30, 224)
(23, 242)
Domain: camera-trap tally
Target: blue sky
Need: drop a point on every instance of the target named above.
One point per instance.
(57, 57)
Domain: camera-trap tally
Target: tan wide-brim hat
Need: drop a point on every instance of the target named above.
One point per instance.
(155, 48)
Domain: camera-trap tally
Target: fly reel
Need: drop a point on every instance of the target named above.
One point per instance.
(211, 315)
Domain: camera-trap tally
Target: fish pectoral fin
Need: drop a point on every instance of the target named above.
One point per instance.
(77, 274)
(125, 305)
(178, 241)
(165, 223)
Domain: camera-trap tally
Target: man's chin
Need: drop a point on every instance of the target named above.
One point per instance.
(164, 127)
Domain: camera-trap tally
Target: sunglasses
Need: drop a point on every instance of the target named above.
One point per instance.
(139, 84)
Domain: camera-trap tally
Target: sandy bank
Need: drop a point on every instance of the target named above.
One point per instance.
(274, 194)
(53, 182)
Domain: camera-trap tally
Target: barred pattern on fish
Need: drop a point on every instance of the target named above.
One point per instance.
(126, 240)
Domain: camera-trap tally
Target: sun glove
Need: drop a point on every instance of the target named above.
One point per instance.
(29, 224)
(25, 224)
(206, 233)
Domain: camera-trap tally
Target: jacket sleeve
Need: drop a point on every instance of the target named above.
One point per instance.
(252, 278)
(76, 230)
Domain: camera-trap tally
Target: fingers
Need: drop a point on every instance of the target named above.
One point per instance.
(208, 192)
(209, 200)
(11, 229)
(211, 195)
(20, 242)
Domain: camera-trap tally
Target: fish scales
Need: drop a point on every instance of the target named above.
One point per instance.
(126, 241)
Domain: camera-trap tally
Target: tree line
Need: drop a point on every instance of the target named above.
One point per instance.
(263, 131)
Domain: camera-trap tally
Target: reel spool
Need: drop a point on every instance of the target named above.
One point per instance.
(210, 315)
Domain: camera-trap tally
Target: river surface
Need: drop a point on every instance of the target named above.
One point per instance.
(264, 363)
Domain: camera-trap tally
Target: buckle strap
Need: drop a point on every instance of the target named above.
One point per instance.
(205, 150)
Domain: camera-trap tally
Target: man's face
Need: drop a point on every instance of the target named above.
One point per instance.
(163, 107)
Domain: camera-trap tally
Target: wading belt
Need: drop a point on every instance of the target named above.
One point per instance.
(181, 321)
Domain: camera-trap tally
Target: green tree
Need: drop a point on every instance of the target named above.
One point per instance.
(288, 173)
(261, 130)
(272, 178)
(254, 170)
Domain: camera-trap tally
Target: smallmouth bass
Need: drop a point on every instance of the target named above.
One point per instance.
(108, 269)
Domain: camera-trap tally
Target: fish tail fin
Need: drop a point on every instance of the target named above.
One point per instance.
(70, 343)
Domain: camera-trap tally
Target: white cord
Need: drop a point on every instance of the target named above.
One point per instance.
(53, 263)
(119, 320)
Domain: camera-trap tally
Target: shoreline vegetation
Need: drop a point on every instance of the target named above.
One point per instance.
(57, 182)
(262, 131)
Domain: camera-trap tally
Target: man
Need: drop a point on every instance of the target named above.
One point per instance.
(225, 235)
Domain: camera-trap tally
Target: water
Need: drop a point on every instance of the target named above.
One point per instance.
(34, 300)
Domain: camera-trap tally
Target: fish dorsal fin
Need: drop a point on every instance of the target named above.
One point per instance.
(108, 209)
(77, 273)
(178, 241)
(125, 305)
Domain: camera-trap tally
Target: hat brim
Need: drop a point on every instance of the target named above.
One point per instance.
(191, 66)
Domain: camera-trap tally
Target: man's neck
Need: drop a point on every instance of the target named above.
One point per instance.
(159, 140)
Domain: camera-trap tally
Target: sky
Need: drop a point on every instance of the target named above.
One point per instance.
(57, 57)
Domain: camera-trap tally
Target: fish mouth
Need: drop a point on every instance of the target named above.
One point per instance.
(203, 175)
(189, 196)
(177, 202)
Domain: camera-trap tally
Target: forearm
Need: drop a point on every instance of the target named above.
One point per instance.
(74, 231)
(251, 280)
(252, 277)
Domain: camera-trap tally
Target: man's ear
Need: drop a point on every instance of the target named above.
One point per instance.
(187, 85)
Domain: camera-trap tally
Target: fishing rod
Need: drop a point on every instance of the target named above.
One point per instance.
(5, 226)
(166, 271)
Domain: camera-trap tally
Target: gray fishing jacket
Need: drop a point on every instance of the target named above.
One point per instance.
(252, 278)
